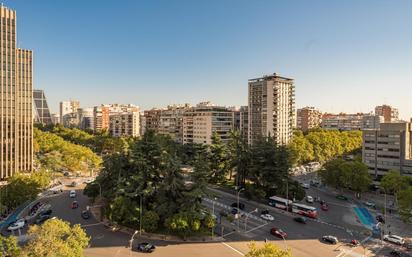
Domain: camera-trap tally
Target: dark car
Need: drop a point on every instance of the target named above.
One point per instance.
(46, 212)
(342, 197)
(241, 205)
(380, 218)
(234, 211)
(264, 212)
(42, 218)
(85, 215)
(396, 253)
(330, 239)
(75, 205)
(300, 220)
(145, 247)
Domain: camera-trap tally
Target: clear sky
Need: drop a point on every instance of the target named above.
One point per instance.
(344, 55)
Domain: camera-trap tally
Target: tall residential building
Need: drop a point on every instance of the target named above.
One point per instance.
(55, 118)
(86, 118)
(124, 124)
(371, 121)
(152, 119)
(200, 122)
(41, 110)
(68, 107)
(16, 97)
(388, 148)
(101, 118)
(171, 121)
(244, 120)
(271, 108)
(389, 113)
(342, 121)
(308, 118)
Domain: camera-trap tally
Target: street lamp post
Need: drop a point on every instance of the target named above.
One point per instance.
(247, 216)
(140, 221)
(238, 193)
(131, 242)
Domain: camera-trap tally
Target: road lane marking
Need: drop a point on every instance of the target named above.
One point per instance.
(90, 225)
(253, 229)
(239, 252)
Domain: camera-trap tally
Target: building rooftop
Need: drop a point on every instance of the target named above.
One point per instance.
(270, 77)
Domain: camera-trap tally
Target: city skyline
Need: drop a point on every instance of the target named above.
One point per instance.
(208, 51)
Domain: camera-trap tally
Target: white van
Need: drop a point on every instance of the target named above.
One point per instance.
(309, 199)
(72, 194)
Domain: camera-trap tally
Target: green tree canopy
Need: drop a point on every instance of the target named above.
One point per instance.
(9, 247)
(267, 250)
(405, 204)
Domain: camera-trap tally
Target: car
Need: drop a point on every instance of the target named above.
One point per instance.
(278, 232)
(322, 202)
(370, 204)
(330, 239)
(18, 224)
(75, 205)
(241, 205)
(300, 220)
(46, 212)
(85, 214)
(234, 211)
(305, 185)
(267, 217)
(354, 242)
(72, 194)
(324, 207)
(396, 253)
(42, 218)
(342, 197)
(145, 247)
(394, 239)
(309, 199)
(264, 212)
(380, 218)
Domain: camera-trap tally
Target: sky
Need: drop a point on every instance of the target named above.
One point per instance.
(345, 56)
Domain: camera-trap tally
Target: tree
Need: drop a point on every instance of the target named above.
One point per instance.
(218, 159)
(56, 238)
(150, 221)
(360, 177)
(393, 182)
(9, 246)
(405, 204)
(301, 149)
(267, 250)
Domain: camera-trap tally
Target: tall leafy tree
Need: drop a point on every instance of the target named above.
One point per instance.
(405, 204)
(219, 159)
(9, 247)
(393, 182)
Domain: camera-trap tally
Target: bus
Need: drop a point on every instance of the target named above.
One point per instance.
(305, 210)
(279, 202)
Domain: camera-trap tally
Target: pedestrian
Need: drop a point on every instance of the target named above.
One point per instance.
(266, 240)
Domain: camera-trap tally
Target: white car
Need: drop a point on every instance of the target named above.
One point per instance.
(394, 239)
(72, 194)
(309, 199)
(305, 185)
(267, 217)
(16, 225)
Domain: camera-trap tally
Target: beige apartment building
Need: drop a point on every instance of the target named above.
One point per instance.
(124, 124)
(171, 121)
(200, 122)
(271, 108)
(342, 121)
(152, 119)
(388, 148)
(68, 113)
(16, 96)
(244, 120)
(308, 118)
(101, 118)
(389, 113)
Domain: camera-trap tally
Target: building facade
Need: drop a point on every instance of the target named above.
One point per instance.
(68, 111)
(205, 119)
(308, 118)
(389, 113)
(16, 97)
(244, 120)
(152, 119)
(86, 118)
(41, 110)
(124, 124)
(271, 110)
(388, 148)
(101, 118)
(342, 121)
(371, 121)
(171, 121)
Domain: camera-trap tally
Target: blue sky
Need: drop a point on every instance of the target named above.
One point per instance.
(344, 55)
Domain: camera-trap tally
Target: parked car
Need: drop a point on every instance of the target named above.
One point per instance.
(394, 239)
(145, 247)
(342, 197)
(396, 253)
(330, 239)
(300, 220)
(370, 204)
(75, 205)
(267, 217)
(241, 205)
(380, 218)
(309, 199)
(72, 194)
(264, 212)
(234, 211)
(18, 224)
(305, 185)
(278, 232)
(85, 214)
(324, 207)
(354, 242)
(42, 218)
(46, 212)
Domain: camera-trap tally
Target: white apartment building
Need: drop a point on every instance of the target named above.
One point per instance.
(200, 122)
(372, 121)
(342, 121)
(68, 107)
(271, 109)
(388, 148)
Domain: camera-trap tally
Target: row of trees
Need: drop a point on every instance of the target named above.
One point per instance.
(322, 145)
(54, 238)
(54, 153)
